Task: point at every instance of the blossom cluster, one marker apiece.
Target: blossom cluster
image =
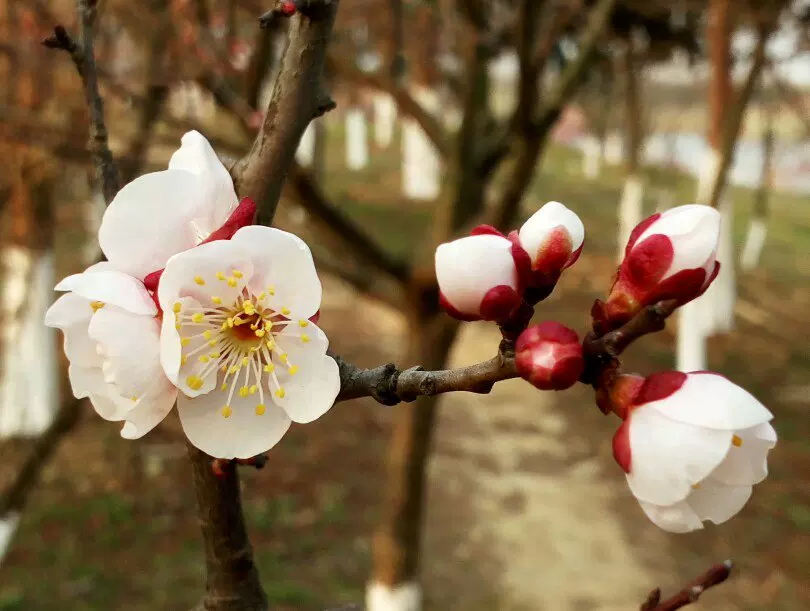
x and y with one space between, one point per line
195 306
692 445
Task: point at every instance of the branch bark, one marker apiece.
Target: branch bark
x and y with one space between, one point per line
715 575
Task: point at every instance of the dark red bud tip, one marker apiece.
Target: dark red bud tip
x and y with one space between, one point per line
453 312
288 8
486 230
315 317
152 280
549 356
242 216
500 303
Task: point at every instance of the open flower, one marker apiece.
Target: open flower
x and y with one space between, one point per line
480 276
163 213
553 237
239 342
112 340
692 446
671 255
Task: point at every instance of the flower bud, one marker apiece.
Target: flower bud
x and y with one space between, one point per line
479 278
671 255
549 356
553 238
691 445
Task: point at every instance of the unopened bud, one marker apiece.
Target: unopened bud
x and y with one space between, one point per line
549 356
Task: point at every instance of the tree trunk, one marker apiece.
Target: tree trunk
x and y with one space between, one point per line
356 138
421 165
396 543
385 116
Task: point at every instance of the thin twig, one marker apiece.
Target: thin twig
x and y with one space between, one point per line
715 575
83 56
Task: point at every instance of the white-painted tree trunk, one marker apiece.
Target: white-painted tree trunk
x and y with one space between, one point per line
385 117
306 147
28 385
614 148
421 165
754 241
404 597
8 526
630 209
503 76
356 139
591 157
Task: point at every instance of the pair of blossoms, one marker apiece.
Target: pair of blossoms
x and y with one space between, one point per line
692 445
194 306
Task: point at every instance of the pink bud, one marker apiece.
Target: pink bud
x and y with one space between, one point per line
479 278
549 356
671 255
553 238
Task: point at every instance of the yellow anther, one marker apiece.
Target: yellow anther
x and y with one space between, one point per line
207 334
261 296
198 317
204 358
224 387
215 355
248 307
259 332
177 307
223 368
243 392
184 341
226 411
245 361
285 311
177 326
695 486
293 370
236 273
280 393
253 349
269 368
229 322
305 338
231 281
271 343
736 441
96 305
271 289
253 389
199 280
303 323
216 300
212 342
220 276
283 357
194 383
134 398
233 369
260 409
224 326
183 360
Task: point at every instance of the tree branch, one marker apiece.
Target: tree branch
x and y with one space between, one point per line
83 57
298 97
691 593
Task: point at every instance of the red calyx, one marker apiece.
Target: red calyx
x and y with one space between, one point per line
549 356
500 303
659 386
453 312
242 216
486 230
621 447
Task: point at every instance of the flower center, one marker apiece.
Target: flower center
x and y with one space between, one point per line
236 343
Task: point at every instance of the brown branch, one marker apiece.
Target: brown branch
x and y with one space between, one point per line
83 57
298 97
17 494
389 385
691 593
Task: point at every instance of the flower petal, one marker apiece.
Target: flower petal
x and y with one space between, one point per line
311 391
66 284
712 401
71 313
150 410
130 346
243 434
747 463
667 457
115 288
205 272
676 518
149 220
284 262
537 228
89 382
717 502
218 197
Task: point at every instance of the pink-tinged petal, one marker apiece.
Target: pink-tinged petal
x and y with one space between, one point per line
747 461
149 220
669 456
130 345
217 269
284 262
243 434
150 410
218 198
468 268
89 382
659 386
647 263
537 230
188 340
712 401
622 453
716 502
638 231
66 284
171 350
676 518
311 391
114 288
485 230
69 310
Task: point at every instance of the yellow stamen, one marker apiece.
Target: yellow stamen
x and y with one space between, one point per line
199 280
215 355
229 322
285 311
177 307
305 338
198 317
271 289
185 341
253 389
280 393
226 411
243 392
283 357
194 383
303 323
262 295
293 370
236 273
233 369
207 335
204 358
260 409
245 361
259 332
220 276
736 441
212 342
224 387
216 300
96 305
134 398
269 368
177 326
271 343
232 281
183 360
